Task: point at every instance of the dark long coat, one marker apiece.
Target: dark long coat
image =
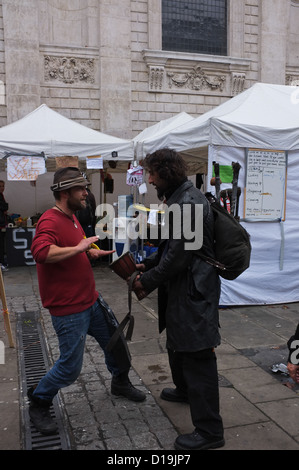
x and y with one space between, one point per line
188 287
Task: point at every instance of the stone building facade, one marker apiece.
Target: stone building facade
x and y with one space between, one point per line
101 63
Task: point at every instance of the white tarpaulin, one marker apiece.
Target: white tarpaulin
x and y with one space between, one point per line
145 141
154 137
273 273
263 117
45 130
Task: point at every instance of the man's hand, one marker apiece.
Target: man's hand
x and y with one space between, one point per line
140 267
138 288
94 253
294 372
86 243
57 253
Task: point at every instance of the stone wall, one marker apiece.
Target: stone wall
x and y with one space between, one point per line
100 62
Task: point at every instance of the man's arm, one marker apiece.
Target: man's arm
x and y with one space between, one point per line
45 246
57 253
175 260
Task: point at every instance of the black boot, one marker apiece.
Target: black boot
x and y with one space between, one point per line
194 441
39 412
174 394
121 385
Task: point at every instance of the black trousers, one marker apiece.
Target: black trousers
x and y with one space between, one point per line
195 373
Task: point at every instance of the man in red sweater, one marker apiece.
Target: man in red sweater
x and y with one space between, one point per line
67 290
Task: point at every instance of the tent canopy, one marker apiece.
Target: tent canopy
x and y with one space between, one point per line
151 138
265 116
45 130
143 141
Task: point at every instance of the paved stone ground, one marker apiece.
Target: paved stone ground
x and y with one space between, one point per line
259 412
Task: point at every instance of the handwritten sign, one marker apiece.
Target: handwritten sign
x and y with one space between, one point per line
93 163
265 184
25 168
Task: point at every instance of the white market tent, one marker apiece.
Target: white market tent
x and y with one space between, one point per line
263 117
144 139
45 130
48 132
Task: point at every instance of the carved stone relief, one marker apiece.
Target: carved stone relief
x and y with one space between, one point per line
292 80
69 70
195 80
156 76
238 83
173 72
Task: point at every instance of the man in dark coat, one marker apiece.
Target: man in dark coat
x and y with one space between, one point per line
293 360
188 297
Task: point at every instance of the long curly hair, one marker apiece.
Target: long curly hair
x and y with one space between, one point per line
169 165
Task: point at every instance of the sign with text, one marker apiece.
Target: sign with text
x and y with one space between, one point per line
25 168
94 163
18 244
266 176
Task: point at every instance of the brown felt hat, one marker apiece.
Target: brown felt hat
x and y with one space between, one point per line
68 177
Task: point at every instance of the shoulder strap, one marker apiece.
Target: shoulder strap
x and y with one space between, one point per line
211 261
128 319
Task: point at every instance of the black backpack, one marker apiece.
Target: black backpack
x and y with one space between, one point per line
231 243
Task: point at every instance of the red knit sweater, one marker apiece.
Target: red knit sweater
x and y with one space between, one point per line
68 286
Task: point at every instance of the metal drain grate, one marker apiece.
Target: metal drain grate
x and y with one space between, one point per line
33 364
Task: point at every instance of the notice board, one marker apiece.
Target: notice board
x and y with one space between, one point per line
265 187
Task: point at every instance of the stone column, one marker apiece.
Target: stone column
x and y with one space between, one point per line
22 67
115 67
155 24
273 40
236 29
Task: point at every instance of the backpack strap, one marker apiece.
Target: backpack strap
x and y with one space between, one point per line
211 200
211 261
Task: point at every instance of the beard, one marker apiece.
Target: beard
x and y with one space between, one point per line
76 204
160 193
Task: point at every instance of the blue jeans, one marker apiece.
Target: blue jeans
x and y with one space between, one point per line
71 331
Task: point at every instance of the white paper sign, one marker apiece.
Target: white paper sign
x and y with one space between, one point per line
94 163
153 217
25 168
142 188
265 184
